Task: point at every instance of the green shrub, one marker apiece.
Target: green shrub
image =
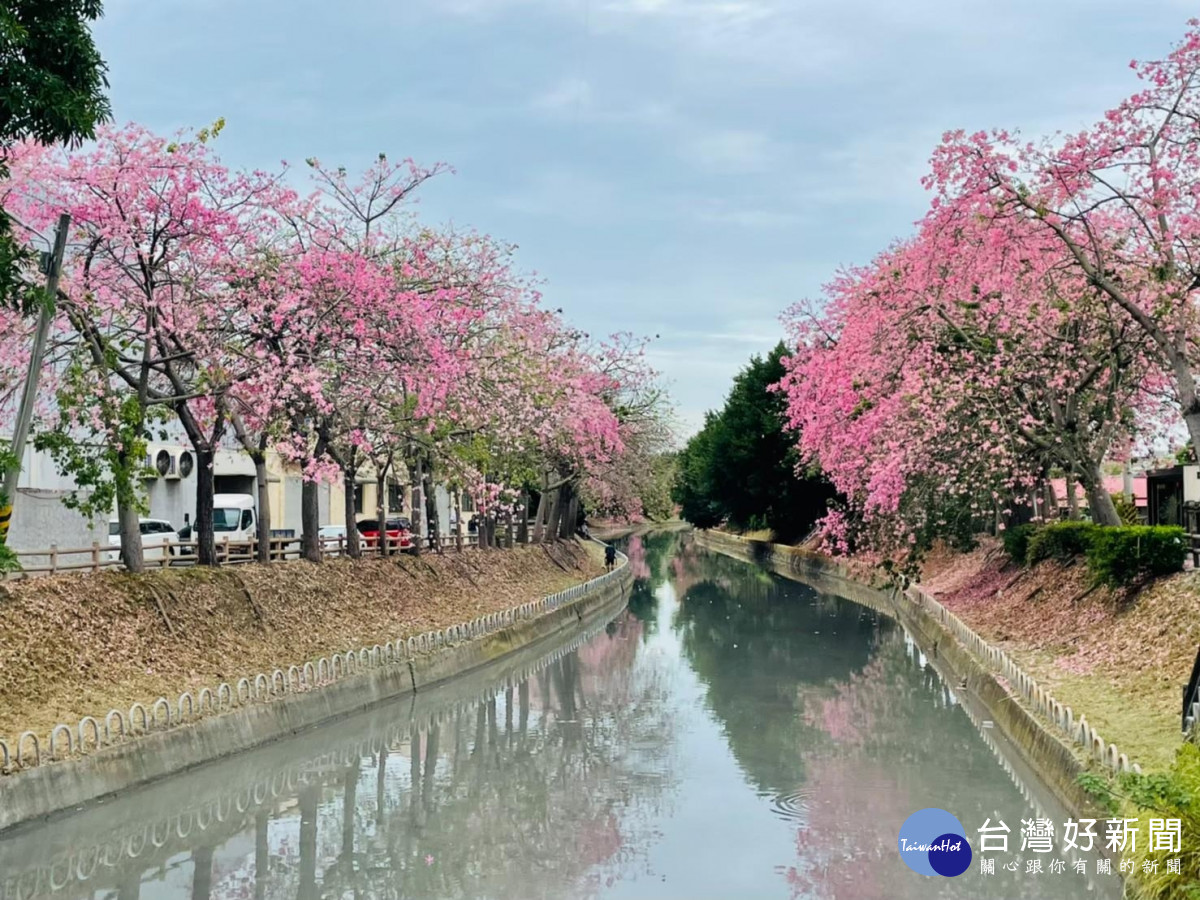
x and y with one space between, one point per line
1118 556
9 562
1174 794
1016 541
1061 540
1126 509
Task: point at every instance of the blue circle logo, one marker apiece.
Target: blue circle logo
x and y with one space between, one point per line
933 842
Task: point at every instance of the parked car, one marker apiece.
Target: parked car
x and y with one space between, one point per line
329 535
399 532
157 537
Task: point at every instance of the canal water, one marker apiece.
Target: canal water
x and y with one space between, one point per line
730 734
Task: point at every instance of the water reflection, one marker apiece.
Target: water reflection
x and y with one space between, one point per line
730 734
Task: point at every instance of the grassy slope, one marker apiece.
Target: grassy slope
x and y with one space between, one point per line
1121 664
72 646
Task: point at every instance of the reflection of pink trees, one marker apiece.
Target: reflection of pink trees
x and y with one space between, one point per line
637 557
605 665
841 846
847 850
688 567
851 713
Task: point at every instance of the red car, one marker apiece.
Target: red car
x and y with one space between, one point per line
399 532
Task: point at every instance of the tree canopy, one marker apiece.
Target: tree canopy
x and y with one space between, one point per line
52 84
743 466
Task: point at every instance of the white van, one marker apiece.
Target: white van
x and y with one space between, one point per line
234 518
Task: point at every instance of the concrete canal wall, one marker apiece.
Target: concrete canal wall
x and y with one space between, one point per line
1050 740
284 704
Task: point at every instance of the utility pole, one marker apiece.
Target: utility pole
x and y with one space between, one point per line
51 266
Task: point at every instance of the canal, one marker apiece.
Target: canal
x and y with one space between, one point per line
729 734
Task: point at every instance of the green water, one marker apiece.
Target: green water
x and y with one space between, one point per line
730 734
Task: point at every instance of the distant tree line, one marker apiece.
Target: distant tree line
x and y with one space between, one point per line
741 469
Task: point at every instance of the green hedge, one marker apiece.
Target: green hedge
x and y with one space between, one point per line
1121 555
1016 541
1115 556
1060 540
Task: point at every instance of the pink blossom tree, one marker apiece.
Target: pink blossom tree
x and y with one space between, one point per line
1119 200
961 366
160 231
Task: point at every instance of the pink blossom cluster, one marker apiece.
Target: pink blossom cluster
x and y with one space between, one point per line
330 325
1042 318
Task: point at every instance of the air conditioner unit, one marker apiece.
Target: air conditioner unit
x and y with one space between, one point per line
166 463
187 463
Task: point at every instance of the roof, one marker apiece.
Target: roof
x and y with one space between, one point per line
1113 484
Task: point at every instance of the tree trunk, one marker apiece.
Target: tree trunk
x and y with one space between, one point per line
381 506
257 451
1185 390
552 518
132 555
202 864
523 705
508 530
414 770
539 517
262 855
558 513
381 786
310 798
458 520
349 803
310 521
523 524
206 546
571 519
1072 498
431 756
264 502
431 513
418 476
1051 500
353 547
1104 511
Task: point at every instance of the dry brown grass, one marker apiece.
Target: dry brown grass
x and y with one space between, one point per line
72 646
1121 662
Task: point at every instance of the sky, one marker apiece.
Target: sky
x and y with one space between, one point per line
682 169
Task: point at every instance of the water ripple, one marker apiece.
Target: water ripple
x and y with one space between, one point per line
793 805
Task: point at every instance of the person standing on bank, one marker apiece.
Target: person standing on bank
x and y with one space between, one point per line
610 556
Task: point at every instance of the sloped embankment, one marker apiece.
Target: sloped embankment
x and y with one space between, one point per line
1120 661
72 646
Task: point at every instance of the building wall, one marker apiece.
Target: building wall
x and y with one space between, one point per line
40 519
172 500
